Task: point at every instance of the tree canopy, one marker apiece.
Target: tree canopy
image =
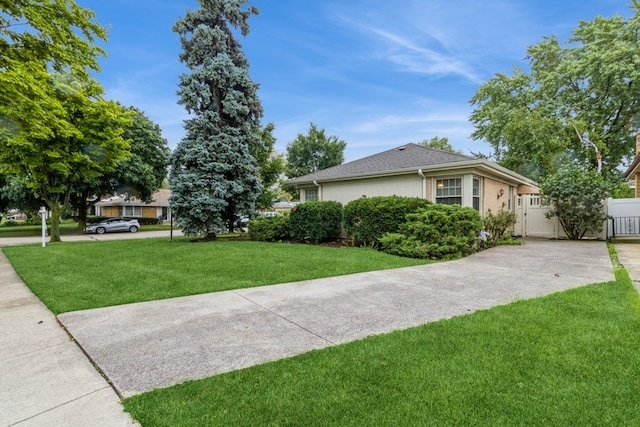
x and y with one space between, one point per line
575 98
576 196
439 144
89 145
214 174
271 165
139 175
37 37
313 152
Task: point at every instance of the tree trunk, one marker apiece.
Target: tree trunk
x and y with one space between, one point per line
56 212
82 220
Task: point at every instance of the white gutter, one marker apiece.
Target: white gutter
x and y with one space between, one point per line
424 183
319 189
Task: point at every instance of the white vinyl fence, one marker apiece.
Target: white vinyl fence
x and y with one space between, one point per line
624 217
532 222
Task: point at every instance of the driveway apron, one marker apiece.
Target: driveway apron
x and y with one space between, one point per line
148 345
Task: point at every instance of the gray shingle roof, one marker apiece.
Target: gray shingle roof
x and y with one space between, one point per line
403 157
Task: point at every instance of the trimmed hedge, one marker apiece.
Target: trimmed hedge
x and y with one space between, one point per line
367 219
316 222
269 229
146 221
436 232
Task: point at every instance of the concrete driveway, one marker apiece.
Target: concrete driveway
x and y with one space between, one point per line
148 345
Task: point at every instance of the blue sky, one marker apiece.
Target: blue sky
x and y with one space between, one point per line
375 73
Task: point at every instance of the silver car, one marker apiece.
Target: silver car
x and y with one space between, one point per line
112 225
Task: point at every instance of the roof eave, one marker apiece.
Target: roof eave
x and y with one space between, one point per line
633 167
499 170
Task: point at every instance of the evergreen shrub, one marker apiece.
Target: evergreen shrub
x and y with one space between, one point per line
269 229
367 219
435 232
316 222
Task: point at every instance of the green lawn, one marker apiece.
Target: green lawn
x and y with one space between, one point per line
568 359
79 275
66 228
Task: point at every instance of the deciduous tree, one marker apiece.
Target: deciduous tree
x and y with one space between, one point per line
214 174
139 175
89 144
591 84
272 166
439 144
313 152
576 196
37 37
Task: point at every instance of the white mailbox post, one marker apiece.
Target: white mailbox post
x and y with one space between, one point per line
43 215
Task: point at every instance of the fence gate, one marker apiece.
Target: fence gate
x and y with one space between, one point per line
531 220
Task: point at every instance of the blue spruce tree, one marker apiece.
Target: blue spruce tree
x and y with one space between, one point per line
214 176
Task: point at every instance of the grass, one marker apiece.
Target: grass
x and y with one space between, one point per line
66 228
570 358
80 275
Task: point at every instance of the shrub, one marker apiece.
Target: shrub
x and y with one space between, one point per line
96 218
498 225
269 229
576 197
316 221
147 221
367 219
435 232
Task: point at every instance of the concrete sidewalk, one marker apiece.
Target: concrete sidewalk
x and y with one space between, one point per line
157 344
629 256
19 241
45 379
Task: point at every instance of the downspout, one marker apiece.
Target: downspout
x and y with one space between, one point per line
319 189
424 183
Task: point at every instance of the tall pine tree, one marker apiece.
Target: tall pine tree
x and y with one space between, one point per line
214 176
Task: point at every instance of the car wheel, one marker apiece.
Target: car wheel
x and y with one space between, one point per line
133 229
100 230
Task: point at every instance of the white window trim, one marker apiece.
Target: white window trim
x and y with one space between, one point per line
435 189
133 210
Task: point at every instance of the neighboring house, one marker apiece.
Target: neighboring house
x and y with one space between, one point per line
633 172
118 206
413 170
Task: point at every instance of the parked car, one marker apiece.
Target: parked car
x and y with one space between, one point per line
270 214
242 221
112 225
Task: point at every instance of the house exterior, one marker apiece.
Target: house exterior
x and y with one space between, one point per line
413 170
116 206
633 171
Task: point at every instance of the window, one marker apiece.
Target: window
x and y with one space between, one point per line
476 194
449 191
311 195
131 211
